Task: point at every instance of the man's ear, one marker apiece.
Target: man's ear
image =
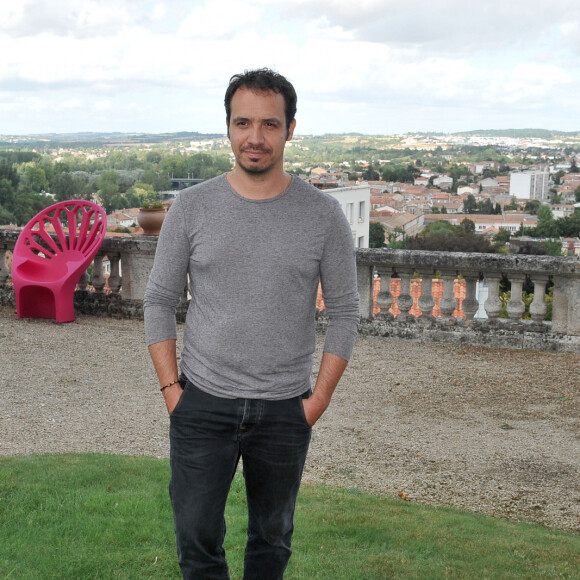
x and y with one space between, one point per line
228 126
291 130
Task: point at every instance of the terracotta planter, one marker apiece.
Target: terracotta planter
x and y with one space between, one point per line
150 220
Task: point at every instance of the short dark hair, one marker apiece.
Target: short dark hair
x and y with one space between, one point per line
263 79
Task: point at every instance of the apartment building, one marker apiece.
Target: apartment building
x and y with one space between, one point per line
530 184
356 204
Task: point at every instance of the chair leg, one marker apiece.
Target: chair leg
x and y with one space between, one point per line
64 306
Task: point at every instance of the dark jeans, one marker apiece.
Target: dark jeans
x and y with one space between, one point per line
208 435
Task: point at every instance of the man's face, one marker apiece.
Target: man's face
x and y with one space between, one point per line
257 130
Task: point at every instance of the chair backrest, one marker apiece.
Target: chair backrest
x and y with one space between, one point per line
78 226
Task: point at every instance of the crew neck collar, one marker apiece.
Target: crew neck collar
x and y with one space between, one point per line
252 200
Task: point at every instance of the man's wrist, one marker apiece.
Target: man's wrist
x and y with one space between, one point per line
320 397
169 385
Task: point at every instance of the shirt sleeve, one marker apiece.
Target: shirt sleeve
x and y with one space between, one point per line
339 287
168 277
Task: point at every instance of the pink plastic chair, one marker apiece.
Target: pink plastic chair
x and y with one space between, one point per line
45 270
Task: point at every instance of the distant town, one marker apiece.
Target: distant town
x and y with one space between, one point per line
494 184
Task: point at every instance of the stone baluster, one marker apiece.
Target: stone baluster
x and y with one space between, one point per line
405 300
385 298
364 275
448 303
3 267
114 277
493 304
538 307
99 279
426 300
516 306
470 304
83 281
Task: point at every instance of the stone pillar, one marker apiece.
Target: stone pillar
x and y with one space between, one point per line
574 308
83 281
470 304
493 304
364 274
448 303
385 298
114 276
137 265
426 300
3 267
566 306
516 306
405 300
538 307
99 279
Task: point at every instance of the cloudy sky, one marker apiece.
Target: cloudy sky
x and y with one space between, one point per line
368 66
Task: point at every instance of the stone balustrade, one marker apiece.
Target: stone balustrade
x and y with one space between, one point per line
562 333
131 258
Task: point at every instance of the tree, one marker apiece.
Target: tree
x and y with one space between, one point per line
486 206
513 205
139 193
502 237
546 227
108 183
557 177
574 166
444 227
461 242
532 206
7 193
396 238
10 173
6 217
470 205
33 179
64 187
174 166
370 174
376 235
153 157
159 181
569 226
400 173
468 226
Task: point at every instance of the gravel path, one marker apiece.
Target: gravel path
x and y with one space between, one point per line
487 430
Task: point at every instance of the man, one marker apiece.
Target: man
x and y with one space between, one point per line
255 243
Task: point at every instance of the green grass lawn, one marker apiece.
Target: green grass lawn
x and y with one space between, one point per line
76 517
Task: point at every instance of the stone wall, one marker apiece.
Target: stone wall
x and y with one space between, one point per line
438 314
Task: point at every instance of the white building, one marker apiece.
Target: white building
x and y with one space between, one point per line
530 185
355 203
443 182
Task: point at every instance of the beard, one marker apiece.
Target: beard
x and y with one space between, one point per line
258 166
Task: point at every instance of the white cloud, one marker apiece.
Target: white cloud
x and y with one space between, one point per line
31 18
166 64
220 19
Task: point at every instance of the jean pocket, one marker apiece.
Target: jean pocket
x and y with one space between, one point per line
300 400
180 402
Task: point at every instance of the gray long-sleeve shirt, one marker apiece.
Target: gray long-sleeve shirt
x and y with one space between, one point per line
254 268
